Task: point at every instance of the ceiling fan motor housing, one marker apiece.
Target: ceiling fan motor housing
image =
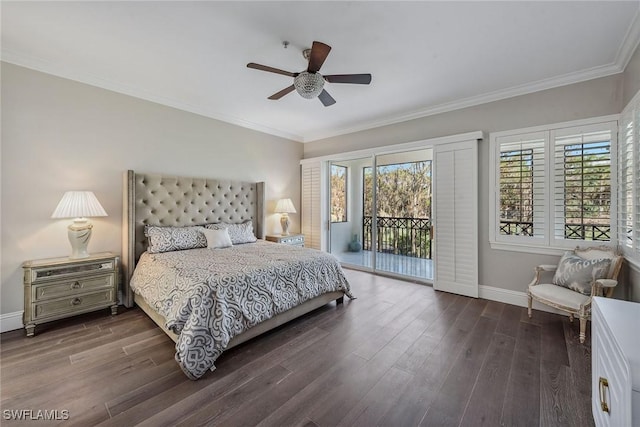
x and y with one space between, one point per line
308 85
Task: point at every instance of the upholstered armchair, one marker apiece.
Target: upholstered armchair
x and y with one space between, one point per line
580 275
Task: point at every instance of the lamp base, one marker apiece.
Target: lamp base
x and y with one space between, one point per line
79 233
284 222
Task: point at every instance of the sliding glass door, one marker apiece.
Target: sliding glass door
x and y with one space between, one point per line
381 213
346 212
403 214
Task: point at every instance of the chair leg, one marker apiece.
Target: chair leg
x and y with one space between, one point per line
529 304
583 329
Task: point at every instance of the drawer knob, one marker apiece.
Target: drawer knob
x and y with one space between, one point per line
603 384
76 285
76 301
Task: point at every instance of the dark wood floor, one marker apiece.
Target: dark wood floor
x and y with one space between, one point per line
400 355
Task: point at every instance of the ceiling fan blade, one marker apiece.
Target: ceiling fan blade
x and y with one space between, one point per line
326 99
270 69
282 93
359 79
319 52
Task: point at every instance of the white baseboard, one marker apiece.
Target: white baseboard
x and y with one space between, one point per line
11 321
508 296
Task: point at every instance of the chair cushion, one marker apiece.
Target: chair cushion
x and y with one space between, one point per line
577 273
558 295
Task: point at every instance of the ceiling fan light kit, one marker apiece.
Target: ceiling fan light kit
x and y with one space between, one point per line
310 83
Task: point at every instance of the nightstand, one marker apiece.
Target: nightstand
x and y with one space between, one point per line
291 239
56 288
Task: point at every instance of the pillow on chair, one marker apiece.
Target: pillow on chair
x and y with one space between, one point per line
577 273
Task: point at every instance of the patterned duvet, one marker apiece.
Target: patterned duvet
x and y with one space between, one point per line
208 296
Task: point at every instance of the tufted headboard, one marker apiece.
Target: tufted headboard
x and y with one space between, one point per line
155 199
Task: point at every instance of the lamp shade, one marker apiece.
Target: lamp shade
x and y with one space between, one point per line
285 206
78 204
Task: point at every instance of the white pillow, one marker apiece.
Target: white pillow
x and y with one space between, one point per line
217 239
239 233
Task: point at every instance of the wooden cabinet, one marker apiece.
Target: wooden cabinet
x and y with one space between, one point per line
56 288
615 363
291 239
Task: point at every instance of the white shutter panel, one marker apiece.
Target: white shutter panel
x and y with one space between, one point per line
581 177
636 172
521 192
625 182
311 205
456 217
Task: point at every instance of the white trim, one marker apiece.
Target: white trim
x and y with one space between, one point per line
499 95
394 148
11 321
531 249
517 298
630 43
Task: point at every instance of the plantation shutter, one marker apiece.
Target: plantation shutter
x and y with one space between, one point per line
626 205
636 171
521 191
629 180
456 217
581 183
312 204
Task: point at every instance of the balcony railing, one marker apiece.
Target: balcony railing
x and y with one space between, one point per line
585 231
400 236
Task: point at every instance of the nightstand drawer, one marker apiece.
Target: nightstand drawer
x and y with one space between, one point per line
70 287
69 271
295 240
73 304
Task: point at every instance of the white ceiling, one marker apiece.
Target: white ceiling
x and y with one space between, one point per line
425 57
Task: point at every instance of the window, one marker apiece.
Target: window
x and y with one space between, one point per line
552 185
582 185
338 193
629 181
521 189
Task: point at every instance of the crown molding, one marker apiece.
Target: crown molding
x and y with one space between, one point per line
93 80
630 42
540 85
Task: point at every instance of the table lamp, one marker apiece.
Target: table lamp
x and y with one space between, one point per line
79 205
285 207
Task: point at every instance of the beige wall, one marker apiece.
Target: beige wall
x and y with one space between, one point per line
501 269
60 135
631 78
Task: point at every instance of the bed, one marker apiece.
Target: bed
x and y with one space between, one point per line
209 300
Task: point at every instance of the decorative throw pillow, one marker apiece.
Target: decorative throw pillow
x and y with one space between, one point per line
239 233
166 239
577 273
217 239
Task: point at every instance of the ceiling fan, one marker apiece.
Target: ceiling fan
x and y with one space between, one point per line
310 83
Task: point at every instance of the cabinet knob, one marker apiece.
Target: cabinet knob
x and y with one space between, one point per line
603 384
76 285
76 301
